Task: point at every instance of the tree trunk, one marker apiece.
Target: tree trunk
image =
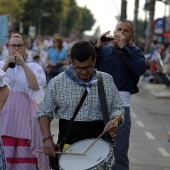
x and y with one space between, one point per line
150 26
136 20
123 10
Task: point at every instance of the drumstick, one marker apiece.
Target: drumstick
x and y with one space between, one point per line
68 153
102 134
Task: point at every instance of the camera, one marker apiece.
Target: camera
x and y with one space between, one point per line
108 37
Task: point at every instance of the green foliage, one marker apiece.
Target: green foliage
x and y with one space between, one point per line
52 16
87 20
12 8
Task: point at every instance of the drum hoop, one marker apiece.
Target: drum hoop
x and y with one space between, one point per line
100 163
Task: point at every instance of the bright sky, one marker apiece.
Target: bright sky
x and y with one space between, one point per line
104 11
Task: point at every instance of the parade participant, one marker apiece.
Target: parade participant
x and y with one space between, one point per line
21 135
126 63
56 58
4 91
64 92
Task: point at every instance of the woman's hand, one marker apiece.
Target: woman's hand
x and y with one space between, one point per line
10 59
19 59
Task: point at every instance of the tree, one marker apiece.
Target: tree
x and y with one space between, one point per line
150 26
14 9
136 20
64 16
123 10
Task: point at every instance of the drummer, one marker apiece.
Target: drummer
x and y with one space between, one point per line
63 94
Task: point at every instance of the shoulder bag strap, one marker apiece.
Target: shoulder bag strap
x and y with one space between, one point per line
72 119
103 102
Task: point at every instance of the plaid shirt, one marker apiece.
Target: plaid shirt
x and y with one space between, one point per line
63 95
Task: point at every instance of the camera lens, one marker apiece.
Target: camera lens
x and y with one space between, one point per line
106 38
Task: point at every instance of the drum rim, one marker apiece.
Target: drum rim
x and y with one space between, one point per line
100 163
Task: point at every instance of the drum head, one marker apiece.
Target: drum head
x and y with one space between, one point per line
97 153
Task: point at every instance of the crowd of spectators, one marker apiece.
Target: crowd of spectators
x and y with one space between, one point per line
158 59
38 51
158 64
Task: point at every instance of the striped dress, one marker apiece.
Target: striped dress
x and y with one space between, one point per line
21 134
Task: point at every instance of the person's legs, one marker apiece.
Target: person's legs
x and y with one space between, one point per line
122 144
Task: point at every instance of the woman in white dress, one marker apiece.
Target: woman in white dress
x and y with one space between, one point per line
21 135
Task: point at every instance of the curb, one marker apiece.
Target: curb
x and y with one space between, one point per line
157 90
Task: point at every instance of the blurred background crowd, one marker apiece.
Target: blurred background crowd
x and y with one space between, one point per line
66 23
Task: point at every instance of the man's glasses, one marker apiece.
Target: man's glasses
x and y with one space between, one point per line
17 45
80 69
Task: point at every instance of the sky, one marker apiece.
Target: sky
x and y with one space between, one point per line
105 12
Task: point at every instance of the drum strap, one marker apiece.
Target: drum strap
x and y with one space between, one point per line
103 103
72 120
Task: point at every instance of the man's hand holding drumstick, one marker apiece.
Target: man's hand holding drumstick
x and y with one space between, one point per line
112 126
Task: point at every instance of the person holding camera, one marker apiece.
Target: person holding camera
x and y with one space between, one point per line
126 63
21 135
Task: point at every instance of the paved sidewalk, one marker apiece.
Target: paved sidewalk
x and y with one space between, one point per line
157 90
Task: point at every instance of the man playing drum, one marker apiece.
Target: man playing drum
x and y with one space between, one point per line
63 94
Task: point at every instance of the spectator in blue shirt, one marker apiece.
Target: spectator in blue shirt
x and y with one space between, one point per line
126 63
57 57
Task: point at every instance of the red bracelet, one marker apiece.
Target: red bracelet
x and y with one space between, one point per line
48 137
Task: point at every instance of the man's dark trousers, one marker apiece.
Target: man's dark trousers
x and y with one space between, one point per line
122 143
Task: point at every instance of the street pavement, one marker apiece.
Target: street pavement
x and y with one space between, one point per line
156 90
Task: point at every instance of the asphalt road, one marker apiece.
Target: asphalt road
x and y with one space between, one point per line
149 147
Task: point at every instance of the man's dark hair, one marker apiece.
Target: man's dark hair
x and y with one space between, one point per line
129 22
82 51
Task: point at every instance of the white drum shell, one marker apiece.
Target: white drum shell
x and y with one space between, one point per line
99 157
